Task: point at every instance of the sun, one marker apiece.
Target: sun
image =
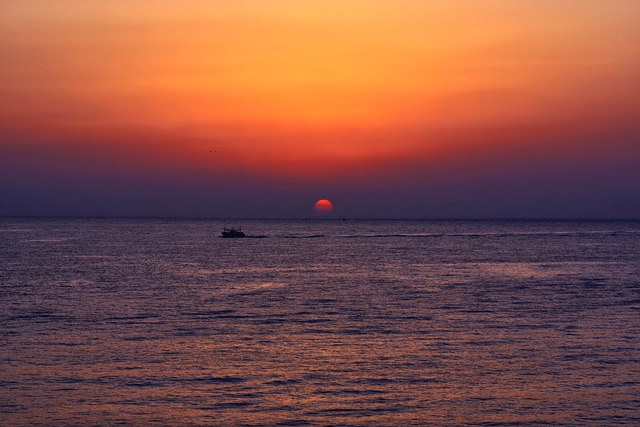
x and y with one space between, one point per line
323 207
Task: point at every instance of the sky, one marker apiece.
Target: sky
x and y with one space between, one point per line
390 109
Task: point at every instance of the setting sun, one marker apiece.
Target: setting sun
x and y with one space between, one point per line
323 207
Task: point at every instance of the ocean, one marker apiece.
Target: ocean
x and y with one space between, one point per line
319 323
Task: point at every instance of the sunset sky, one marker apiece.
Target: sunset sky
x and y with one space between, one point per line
404 108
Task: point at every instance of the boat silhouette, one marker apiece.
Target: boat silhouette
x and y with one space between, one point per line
232 232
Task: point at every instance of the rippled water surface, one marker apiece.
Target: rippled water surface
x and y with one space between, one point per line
319 323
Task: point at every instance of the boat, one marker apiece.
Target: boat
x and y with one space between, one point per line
232 232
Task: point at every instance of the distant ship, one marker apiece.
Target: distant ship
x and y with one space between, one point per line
232 232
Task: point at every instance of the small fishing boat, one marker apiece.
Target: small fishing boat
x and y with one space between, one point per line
232 232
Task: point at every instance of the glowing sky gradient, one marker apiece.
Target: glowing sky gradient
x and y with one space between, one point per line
411 108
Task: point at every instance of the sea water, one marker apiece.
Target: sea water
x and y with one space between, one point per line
319 322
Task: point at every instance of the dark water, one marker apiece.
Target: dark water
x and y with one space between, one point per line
319 323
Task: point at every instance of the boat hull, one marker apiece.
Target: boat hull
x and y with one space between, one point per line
232 233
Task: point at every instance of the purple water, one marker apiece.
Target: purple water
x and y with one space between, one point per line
140 321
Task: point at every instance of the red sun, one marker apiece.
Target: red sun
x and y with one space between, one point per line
323 207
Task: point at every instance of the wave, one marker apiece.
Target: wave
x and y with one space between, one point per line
608 233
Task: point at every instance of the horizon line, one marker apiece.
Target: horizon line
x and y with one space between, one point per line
312 218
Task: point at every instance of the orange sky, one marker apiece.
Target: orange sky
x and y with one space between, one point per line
297 88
